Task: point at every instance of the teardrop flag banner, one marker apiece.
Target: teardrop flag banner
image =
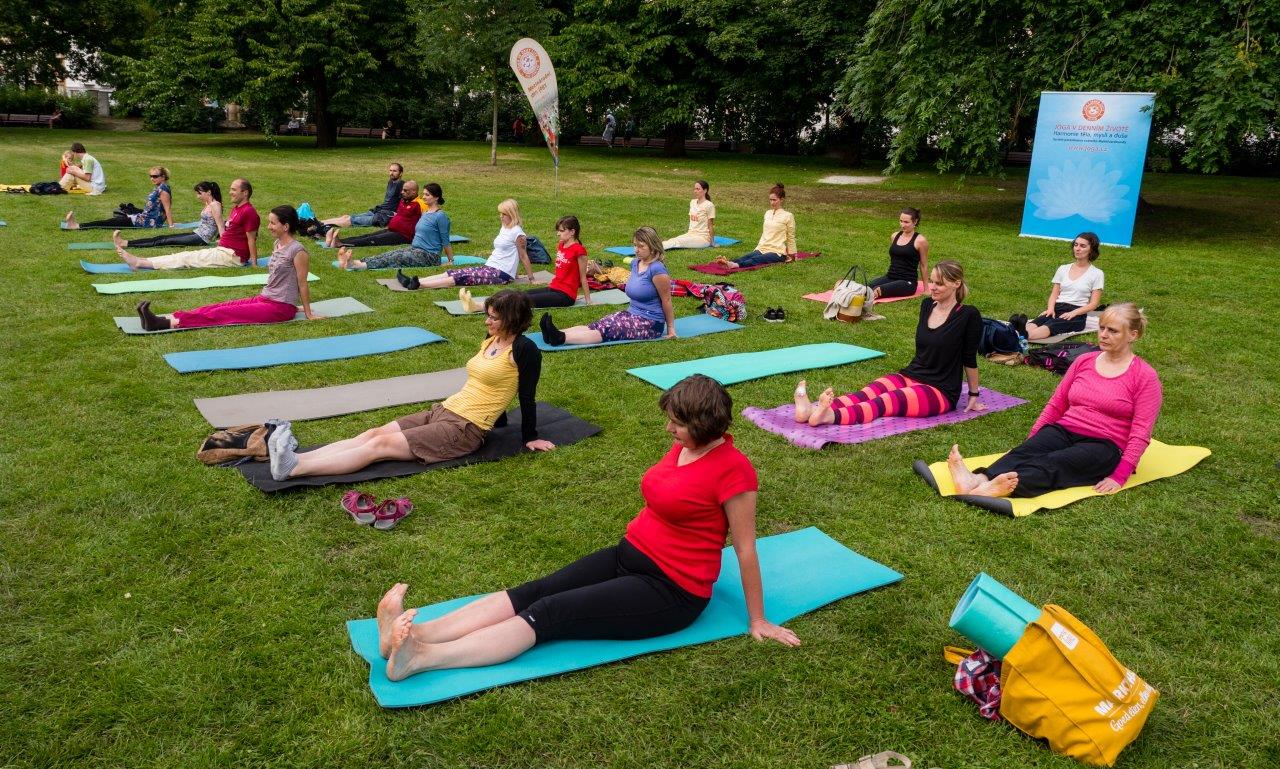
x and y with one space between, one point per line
532 65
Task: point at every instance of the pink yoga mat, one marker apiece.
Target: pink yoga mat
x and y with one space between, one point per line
825 296
781 420
711 268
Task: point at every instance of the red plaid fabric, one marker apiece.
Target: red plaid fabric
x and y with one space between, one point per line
978 678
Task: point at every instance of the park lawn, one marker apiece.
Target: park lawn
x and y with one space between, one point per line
159 613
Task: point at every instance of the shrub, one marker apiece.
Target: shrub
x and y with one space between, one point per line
77 111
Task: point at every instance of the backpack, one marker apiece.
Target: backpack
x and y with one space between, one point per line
235 445
723 301
47 188
1059 357
127 210
998 337
536 251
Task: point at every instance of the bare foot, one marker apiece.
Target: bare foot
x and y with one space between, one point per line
822 413
390 607
119 241
1000 486
331 237
344 258
70 219
129 259
964 480
723 261
803 405
407 655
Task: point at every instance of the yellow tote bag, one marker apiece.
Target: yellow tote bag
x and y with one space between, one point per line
1061 683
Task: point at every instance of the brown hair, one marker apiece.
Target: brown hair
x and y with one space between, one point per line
570 223
649 236
77 147
778 190
1089 238
702 405
1132 315
914 213
512 309
951 272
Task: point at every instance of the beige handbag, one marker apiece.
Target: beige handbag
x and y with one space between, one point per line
851 299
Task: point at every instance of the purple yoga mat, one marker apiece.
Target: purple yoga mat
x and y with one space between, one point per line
781 420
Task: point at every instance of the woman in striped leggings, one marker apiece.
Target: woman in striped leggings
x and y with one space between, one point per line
946 353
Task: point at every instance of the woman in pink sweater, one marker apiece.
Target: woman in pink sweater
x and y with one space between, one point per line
1093 430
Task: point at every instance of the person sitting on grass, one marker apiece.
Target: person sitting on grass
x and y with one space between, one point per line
907 261
1094 429
1077 291
508 364
702 221
85 172
778 239
156 212
571 269
286 286
430 240
508 254
379 215
647 317
399 229
947 338
206 232
657 580
237 245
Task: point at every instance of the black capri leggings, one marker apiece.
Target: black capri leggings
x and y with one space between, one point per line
161 241
1056 458
550 297
116 222
617 593
379 238
891 287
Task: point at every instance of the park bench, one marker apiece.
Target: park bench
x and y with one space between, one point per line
360 133
16 118
1017 158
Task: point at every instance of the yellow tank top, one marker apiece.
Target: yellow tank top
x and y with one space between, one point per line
490 386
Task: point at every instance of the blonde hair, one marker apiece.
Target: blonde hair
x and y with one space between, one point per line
69 157
512 209
1132 315
649 237
951 272
164 172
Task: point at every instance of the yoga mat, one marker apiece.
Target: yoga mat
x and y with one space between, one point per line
297 405
609 296
452 239
302 350
540 278
121 268
1090 327
1160 460
781 420
555 425
690 325
631 250
156 285
801 570
744 366
825 296
711 268
3 223
458 261
176 226
330 308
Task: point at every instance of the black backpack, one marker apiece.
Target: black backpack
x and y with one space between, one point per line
1059 357
47 188
536 251
998 337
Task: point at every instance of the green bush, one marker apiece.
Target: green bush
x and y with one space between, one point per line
181 116
77 111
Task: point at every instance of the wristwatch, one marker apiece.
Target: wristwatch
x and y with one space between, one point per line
974 393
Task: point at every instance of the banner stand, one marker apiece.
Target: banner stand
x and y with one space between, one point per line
532 65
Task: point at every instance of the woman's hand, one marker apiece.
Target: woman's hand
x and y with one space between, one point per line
1106 486
974 404
313 316
1052 312
539 444
762 629
671 333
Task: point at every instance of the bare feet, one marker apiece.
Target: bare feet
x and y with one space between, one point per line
1000 486
803 405
723 261
468 304
390 607
129 259
344 258
964 480
119 241
70 219
407 654
331 237
822 413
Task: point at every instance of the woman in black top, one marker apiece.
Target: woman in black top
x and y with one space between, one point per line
908 258
946 351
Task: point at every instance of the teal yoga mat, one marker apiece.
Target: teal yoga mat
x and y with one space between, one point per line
458 261
303 350
744 366
609 296
452 239
329 308
631 250
690 325
801 571
120 268
155 285
177 226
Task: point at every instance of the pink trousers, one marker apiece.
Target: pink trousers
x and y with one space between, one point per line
255 309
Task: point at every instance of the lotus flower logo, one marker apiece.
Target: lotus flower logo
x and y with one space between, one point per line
1084 188
1093 110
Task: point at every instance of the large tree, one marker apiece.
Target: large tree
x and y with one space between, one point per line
44 41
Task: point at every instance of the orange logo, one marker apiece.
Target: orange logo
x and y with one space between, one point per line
528 63
1093 110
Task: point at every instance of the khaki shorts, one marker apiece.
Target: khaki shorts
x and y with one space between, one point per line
218 256
438 434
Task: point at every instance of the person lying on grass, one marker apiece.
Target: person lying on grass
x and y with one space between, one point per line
650 313
655 581
507 364
1093 430
509 253
286 287
946 351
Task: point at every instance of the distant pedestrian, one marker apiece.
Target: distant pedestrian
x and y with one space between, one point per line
610 126
628 131
517 130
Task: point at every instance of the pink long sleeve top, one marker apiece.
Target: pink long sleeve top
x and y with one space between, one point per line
1120 409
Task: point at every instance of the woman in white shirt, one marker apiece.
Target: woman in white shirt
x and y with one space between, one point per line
702 221
1077 291
501 267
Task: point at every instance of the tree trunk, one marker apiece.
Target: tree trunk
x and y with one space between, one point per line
674 145
850 143
493 135
326 124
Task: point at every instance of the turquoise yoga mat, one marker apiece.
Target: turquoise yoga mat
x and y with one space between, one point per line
120 268
631 250
744 366
690 325
329 308
452 239
303 350
801 571
458 261
176 226
155 285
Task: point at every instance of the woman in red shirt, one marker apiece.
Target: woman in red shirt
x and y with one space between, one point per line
571 269
655 581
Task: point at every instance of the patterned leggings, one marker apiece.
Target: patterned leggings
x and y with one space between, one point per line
890 396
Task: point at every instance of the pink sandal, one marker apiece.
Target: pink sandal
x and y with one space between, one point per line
360 506
390 512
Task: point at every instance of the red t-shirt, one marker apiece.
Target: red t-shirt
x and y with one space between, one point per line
683 524
568 277
406 217
243 220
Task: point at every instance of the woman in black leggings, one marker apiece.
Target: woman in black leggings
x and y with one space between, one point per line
206 232
655 581
908 259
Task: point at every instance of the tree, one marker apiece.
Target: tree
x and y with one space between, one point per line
44 41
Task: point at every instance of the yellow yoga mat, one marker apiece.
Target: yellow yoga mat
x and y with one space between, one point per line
1160 460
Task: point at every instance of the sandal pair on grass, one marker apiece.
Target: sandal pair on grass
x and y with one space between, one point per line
365 509
884 760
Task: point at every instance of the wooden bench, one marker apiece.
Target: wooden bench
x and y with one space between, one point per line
1017 158
17 118
360 133
701 145
303 130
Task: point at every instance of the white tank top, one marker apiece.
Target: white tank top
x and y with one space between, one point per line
505 256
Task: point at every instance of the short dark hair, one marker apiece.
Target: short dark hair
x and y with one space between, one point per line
570 223
513 310
702 405
77 147
288 216
1092 240
210 187
397 165
914 213
248 188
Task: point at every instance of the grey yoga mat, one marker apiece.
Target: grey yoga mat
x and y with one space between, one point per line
540 278
330 308
297 405
609 296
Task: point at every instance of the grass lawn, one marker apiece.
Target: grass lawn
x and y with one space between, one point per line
159 613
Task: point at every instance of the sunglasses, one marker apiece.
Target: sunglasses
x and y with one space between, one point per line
156 176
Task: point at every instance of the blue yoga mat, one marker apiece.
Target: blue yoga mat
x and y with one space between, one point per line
744 366
452 239
302 350
631 250
458 261
176 226
689 325
801 571
121 267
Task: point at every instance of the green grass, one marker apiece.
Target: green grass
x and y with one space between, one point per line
159 613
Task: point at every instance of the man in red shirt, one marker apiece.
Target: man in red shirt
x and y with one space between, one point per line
238 245
399 231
